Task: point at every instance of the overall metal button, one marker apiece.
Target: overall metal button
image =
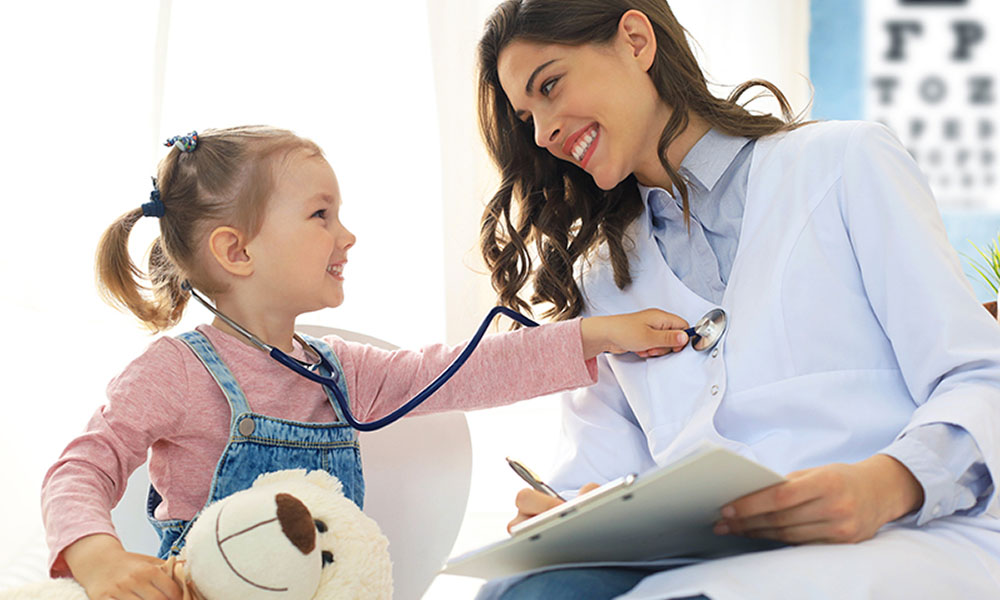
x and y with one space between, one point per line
715 353
715 391
246 426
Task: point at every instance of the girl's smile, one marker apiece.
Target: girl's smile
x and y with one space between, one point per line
336 270
301 250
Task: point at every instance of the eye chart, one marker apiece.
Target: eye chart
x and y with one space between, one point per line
932 70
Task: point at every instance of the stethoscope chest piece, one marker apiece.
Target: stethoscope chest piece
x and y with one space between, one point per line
708 330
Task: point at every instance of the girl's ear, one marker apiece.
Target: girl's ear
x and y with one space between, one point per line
228 246
636 32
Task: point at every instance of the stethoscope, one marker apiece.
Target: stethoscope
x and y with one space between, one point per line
703 336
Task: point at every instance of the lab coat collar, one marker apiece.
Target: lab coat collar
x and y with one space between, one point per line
707 160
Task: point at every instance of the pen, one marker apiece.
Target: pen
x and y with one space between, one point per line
532 479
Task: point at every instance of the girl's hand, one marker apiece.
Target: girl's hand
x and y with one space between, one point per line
531 502
836 503
106 571
648 333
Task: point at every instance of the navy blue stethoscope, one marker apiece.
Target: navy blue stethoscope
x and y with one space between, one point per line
703 336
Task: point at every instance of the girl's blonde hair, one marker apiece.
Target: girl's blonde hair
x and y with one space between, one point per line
226 180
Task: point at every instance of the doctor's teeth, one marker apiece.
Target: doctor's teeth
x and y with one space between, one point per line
580 149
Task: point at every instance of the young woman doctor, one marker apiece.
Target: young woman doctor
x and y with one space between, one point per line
856 359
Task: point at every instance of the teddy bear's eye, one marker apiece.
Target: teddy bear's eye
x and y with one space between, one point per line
327 558
320 526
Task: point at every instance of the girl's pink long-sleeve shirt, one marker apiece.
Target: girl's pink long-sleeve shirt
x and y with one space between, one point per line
167 402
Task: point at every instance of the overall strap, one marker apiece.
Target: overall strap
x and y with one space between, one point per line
209 357
337 374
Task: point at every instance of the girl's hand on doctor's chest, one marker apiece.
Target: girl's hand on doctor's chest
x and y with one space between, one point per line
648 333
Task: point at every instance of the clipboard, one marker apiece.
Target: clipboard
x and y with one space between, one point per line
665 512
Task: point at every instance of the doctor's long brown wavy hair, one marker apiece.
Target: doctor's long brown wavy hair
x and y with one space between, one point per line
555 205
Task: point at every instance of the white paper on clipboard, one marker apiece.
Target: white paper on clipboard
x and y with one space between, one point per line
667 511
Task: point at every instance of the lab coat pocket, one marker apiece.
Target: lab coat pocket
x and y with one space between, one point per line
664 391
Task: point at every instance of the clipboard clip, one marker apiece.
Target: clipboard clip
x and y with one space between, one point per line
575 505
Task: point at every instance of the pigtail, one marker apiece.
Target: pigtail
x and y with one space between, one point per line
155 297
169 294
123 284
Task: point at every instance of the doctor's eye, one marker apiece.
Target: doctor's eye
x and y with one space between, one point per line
546 88
327 558
321 213
320 526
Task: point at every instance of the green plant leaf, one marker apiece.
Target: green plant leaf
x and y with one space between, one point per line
989 267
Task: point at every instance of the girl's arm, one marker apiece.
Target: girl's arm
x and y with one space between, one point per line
505 367
90 476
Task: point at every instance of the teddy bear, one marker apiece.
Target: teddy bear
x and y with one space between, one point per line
291 536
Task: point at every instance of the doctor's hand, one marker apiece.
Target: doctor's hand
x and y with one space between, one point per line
531 502
837 503
648 333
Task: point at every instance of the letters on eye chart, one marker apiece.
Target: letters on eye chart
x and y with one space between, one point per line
932 77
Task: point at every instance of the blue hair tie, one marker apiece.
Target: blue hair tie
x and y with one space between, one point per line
155 206
185 143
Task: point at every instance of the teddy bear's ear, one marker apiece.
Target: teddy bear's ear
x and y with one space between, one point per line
325 481
279 476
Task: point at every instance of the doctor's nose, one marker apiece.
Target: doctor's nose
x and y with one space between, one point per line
546 134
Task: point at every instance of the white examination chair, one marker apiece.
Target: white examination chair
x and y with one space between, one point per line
417 477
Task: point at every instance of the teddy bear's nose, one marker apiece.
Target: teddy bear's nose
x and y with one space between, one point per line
296 522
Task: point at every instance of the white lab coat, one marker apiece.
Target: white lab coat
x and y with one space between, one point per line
850 322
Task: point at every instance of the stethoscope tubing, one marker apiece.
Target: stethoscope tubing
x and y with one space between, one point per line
305 369
331 383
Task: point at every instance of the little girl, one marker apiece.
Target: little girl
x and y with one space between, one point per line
249 217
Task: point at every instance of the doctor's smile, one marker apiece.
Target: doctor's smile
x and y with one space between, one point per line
581 145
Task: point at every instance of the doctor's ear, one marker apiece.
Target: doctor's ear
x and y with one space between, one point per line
637 34
228 246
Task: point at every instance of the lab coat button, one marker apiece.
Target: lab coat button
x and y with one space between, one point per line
937 510
715 353
246 426
715 390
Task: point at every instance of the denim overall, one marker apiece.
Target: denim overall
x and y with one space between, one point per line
259 444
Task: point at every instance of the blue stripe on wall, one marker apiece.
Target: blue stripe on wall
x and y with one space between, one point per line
836 58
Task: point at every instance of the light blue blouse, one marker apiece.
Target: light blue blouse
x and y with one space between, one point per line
944 458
